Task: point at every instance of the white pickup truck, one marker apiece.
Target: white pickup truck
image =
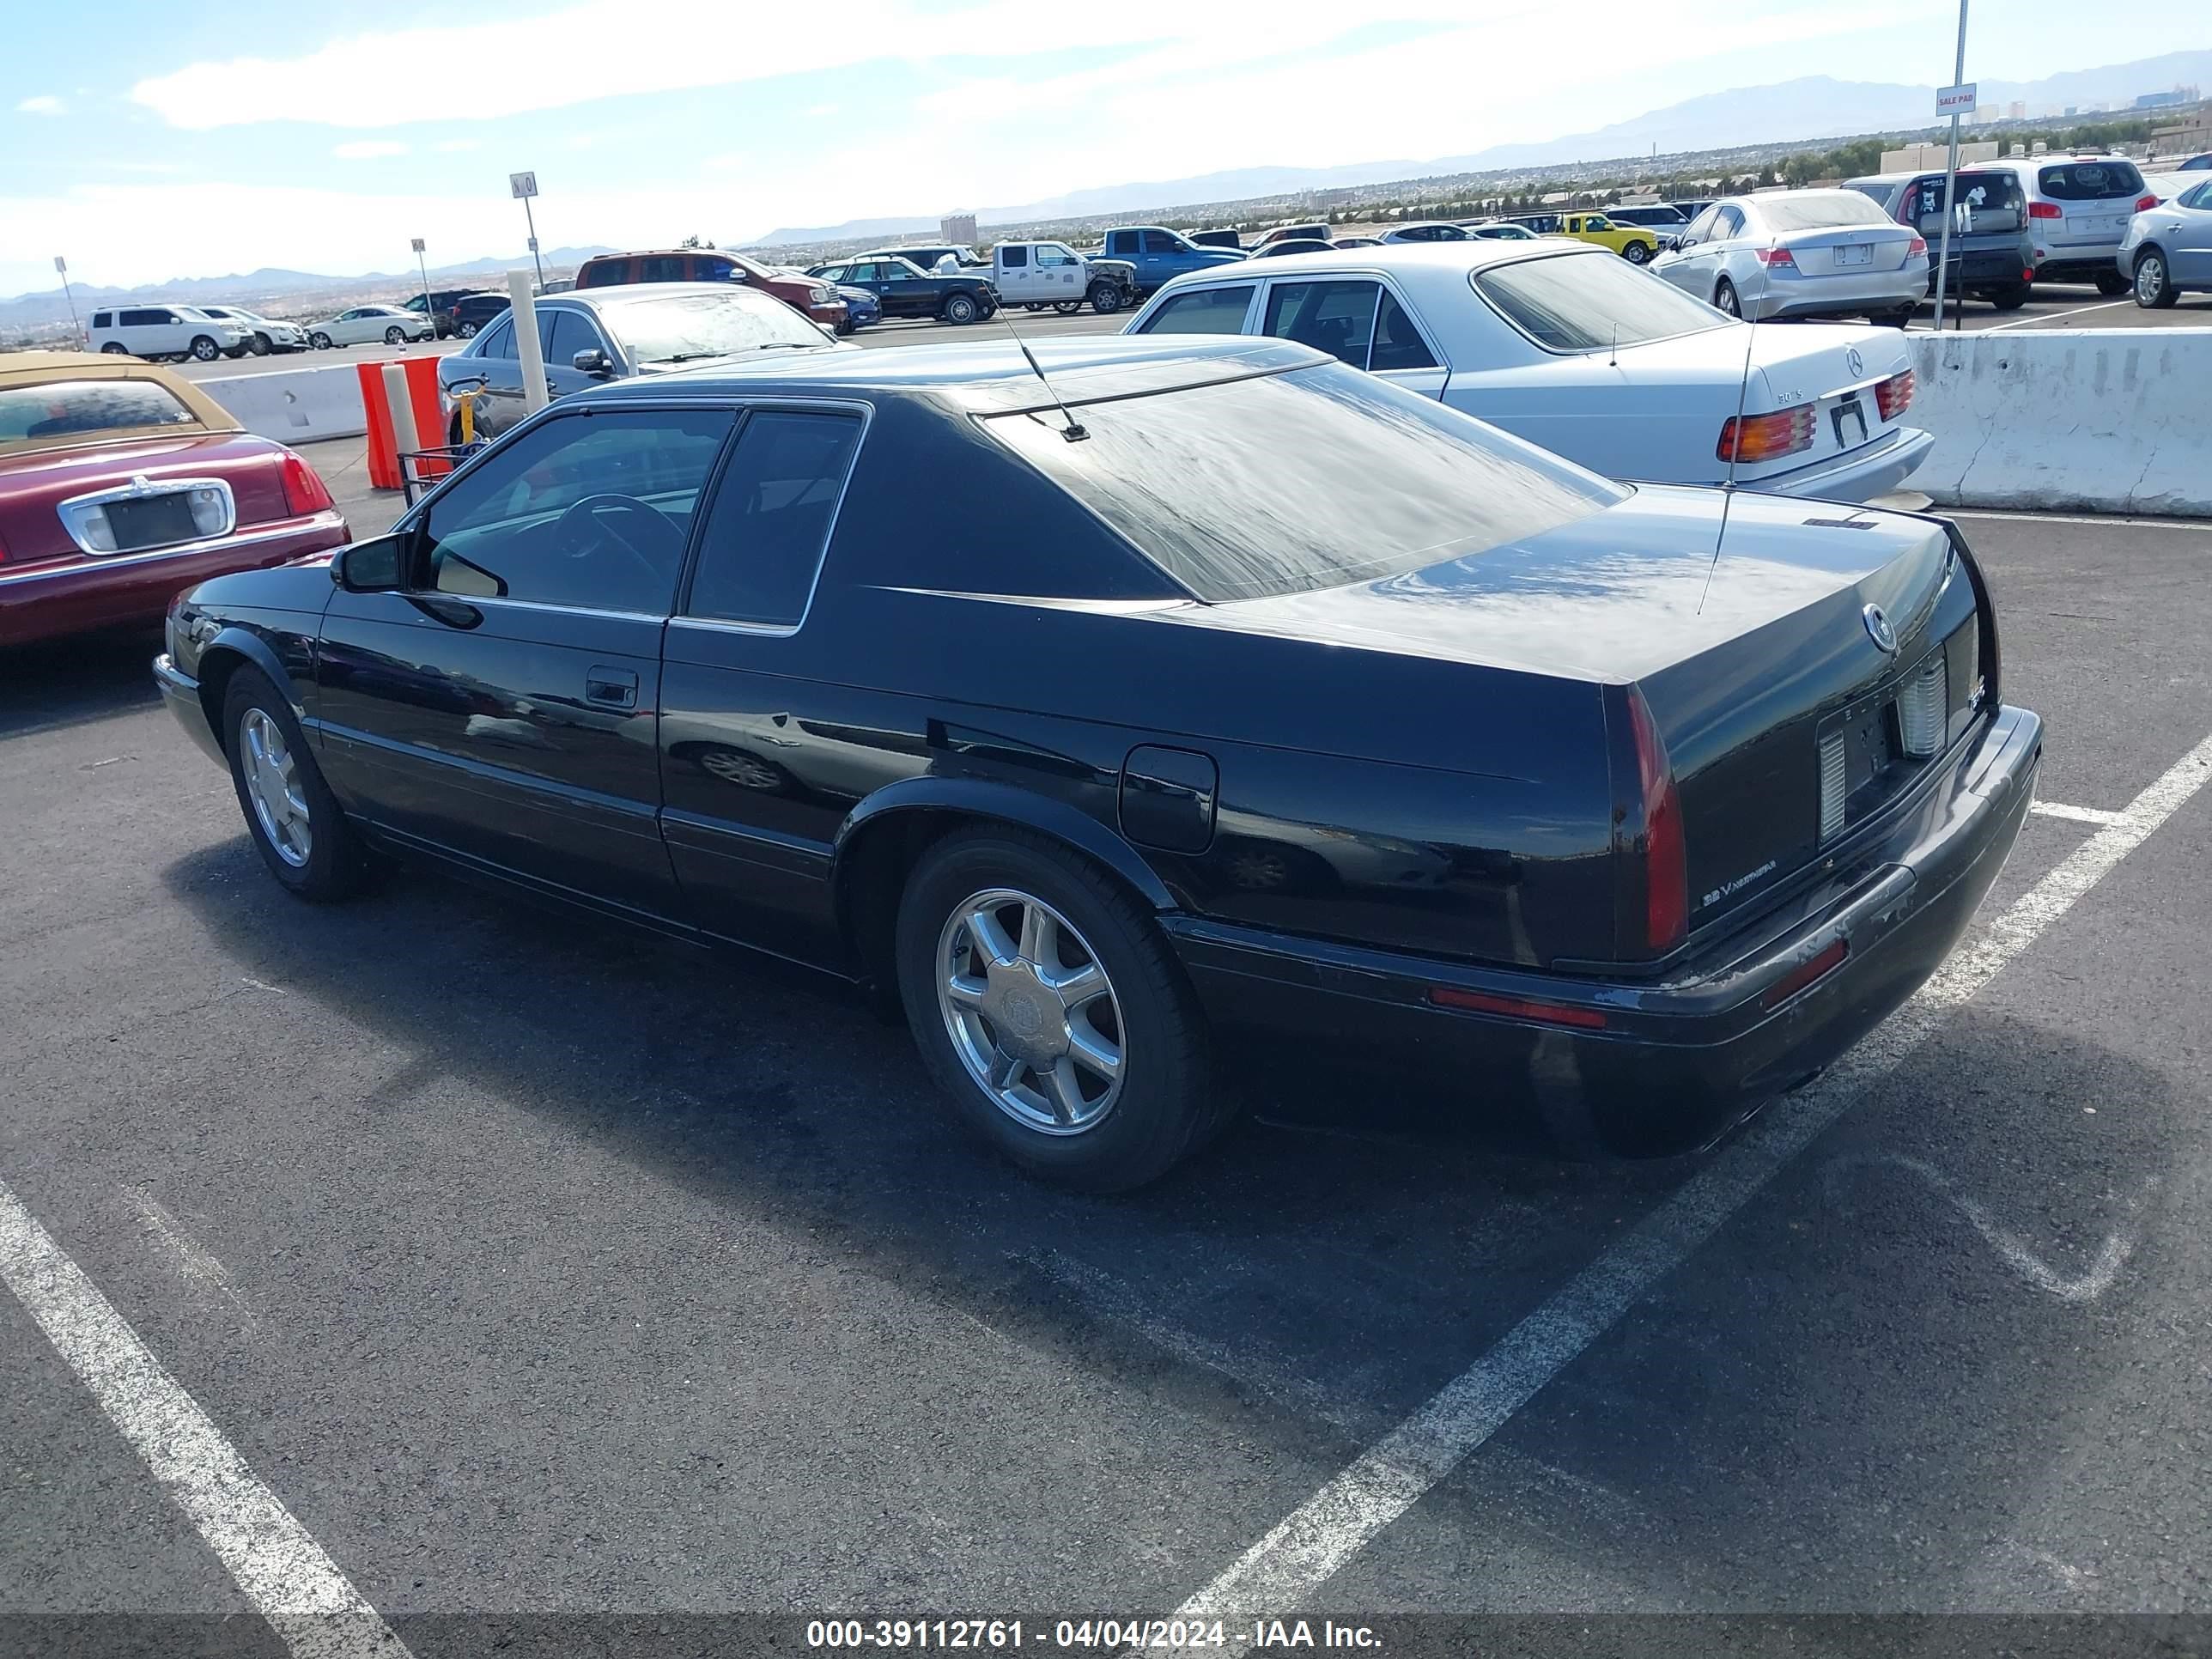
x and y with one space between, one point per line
1035 274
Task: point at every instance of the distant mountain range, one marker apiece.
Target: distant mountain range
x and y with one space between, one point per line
52 305
1812 106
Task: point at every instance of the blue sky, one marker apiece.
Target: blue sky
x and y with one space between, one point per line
202 139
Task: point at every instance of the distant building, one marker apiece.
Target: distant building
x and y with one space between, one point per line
2017 110
958 228
1919 158
2162 100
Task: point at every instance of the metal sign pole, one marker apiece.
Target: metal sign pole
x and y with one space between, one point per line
1951 177
422 265
524 186
77 329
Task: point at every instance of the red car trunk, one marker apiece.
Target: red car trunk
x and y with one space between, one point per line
32 487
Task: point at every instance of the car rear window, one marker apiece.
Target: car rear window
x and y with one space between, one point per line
68 408
2090 181
1818 210
1591 302
1232 488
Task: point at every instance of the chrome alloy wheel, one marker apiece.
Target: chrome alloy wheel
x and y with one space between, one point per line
1031 1011
272 784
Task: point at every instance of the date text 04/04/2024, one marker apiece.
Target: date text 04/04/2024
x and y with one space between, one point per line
1104 1634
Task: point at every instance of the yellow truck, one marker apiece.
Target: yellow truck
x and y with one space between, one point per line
1634 243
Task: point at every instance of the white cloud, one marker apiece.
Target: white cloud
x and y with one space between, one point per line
456 146
369 149
43 104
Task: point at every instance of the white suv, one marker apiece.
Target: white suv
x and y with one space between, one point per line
2078 210
156 331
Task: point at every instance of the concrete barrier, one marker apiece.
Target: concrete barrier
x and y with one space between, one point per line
2092 420
297 405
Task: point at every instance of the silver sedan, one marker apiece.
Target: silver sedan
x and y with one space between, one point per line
2167 251
1800 253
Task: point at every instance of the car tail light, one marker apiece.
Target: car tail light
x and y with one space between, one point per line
1774 258
304 490
1666 870
1894 395
1765 437
1804 974
2044 210
1481 1002
2145 203
1834 779
1918 245
1923 709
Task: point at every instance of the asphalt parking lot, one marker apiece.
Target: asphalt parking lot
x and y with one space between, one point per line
533 1273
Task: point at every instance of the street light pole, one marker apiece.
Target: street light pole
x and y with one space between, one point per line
1951 176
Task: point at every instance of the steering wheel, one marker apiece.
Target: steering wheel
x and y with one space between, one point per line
601 516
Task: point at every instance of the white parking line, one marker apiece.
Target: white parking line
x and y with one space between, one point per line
1277 1574
2052 809
281 1569
2053 316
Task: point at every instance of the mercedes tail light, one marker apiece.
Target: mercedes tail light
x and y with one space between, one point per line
1894 396
304 490
1666 867
1767 437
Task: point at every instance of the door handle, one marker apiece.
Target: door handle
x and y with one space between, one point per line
616 688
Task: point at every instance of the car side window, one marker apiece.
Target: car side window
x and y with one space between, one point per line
1158 241
664 269
1208 310
1398 343
609 275
499 342
1015 258
1727 222
713 270
590 511
2200 197
566 333
765 534
1337 317
1056 256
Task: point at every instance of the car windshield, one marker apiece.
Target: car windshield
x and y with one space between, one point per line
68 408
689 327
2090 181
1231 488
1823 209
1590 302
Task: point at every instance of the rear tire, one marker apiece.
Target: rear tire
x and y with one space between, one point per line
305 841
961 309
114 349
1724 298
2154 283
2112 284
2013 298
1162 1101
395 336
466 330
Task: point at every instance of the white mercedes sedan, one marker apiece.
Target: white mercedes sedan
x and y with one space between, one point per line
1573 349
365 325
1800 253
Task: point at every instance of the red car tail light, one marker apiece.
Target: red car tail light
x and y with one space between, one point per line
304 490
2044 210
1917 245
1774 258
1894 395
1765 437
1481 1002
2145 203
1804 974
1666 867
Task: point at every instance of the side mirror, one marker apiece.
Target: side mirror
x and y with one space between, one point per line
370 566
592 361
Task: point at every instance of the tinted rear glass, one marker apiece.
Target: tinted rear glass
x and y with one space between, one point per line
66 409
1820 210
2090 181
1581 302
1233 488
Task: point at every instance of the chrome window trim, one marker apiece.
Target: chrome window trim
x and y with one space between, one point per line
73 511
326 520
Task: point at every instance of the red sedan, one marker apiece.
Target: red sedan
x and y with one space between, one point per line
122 485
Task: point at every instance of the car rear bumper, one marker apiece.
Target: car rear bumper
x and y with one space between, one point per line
1850 295
1869 471
182 692
1635 1066
118 590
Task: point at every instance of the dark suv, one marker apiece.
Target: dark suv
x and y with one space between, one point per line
1992 247
469 313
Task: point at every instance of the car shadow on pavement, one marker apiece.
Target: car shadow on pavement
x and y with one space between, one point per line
57 682
1336 1273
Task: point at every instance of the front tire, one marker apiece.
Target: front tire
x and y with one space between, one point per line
2112 284
1724 298
296 823
2154 283
1047 1004
961 309
261 345
205 350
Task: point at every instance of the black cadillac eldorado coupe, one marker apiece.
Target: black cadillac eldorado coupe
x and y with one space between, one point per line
1164 695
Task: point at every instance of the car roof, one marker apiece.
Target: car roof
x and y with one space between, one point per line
1421 260
992 376
614 295
31 368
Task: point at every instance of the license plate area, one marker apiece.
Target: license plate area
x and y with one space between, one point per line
1850 421
1874 767
145 522
1855 253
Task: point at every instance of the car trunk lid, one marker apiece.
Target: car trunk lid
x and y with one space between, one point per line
32 487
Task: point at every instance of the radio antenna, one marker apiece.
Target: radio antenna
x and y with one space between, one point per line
1736 448
1075 432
